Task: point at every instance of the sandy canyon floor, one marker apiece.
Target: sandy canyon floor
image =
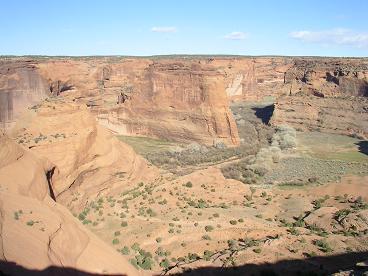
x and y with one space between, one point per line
306 209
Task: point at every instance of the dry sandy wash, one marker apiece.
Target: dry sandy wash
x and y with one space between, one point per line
195 165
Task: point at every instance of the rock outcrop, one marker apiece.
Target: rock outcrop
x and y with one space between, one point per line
37 232
188 100
329 77
178 98
348 116
21 86
88 159
328 96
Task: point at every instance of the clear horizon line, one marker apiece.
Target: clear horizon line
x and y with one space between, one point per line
177 55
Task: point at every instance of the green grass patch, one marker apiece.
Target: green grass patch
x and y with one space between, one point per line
146 145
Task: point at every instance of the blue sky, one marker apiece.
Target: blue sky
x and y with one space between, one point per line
259 27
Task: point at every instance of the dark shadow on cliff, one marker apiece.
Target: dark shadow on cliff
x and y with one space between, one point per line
309 266
11 268
324 265
363 147
264 113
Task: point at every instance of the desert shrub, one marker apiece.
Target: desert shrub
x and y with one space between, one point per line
284 138
16 215
195 154
125 250
219 145
151 213
189 184
207 255
144 262
135 246
165 263
233 222
257 250
159 239
293 231
317 230
253 167
81 216
340 215
87 221
208 228
124 224
134 263
30 223
261 170
115 241
323 246
241 171
318 202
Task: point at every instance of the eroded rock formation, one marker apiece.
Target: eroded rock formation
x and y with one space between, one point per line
36 232
180 98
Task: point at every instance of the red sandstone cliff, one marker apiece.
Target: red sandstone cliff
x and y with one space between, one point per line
182 98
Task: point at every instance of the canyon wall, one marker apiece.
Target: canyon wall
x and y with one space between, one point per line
180 98
329 96
21 86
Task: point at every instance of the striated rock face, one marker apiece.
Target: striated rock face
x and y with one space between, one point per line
329 77
182 101
179 98
132 96
347 116
21 86
329 96
36 232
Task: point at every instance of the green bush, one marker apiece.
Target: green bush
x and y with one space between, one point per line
115 241
257 250
208 228
125 250
30 223
189 184
165 263
135 246
81 216
323 246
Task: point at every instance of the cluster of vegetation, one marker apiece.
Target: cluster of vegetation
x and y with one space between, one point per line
195 154
284 138
252 168
40 138
323 245
58 135
226 255
17 214
26 138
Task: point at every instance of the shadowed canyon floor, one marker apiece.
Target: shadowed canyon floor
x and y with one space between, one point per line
226 185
